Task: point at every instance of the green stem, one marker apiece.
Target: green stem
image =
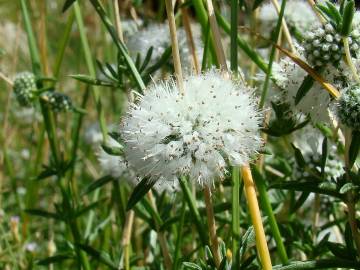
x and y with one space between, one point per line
34 53
91 68
202 16
265 202
272 56
235 224
256 58
179 237
193 209
349 59
63 43
233 36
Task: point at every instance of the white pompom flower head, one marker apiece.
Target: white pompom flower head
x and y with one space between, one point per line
197 134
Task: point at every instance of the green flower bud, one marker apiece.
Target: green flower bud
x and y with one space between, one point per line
58 102
24 88
324 45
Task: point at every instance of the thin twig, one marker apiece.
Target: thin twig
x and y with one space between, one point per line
118 20
125 242
212 227
6 79
189 37
285 27
349 59
161 236
174 45
313 5
217 38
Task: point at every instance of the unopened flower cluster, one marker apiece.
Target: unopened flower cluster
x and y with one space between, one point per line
24 88
324 45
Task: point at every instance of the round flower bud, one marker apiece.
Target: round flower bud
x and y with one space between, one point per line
24 88
327 38
198 133
58 102
348 107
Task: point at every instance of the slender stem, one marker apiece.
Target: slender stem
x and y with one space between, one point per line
193 209
175 45
91 68
118 21
313 5
179 236
212 226
63 42
285 27
235 213
220 55
272 55
203 20
349 195
161 236
261 243
189 37
6 79
256 58
125 242
349 59
34 53
265 201
233 36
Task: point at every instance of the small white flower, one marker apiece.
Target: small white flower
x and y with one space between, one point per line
168 134
31 247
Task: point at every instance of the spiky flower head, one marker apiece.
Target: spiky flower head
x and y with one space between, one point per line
24 88
58 102
288 76
324 45
348 107
215 122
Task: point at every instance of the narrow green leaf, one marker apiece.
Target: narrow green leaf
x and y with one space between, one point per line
190 265
299 157
43 213
67 4
248 50
324 154
90 80
139 192
100 256
113 151
98 183
309 186
304 89
55 259
347 187
348 15
320 264
354 147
